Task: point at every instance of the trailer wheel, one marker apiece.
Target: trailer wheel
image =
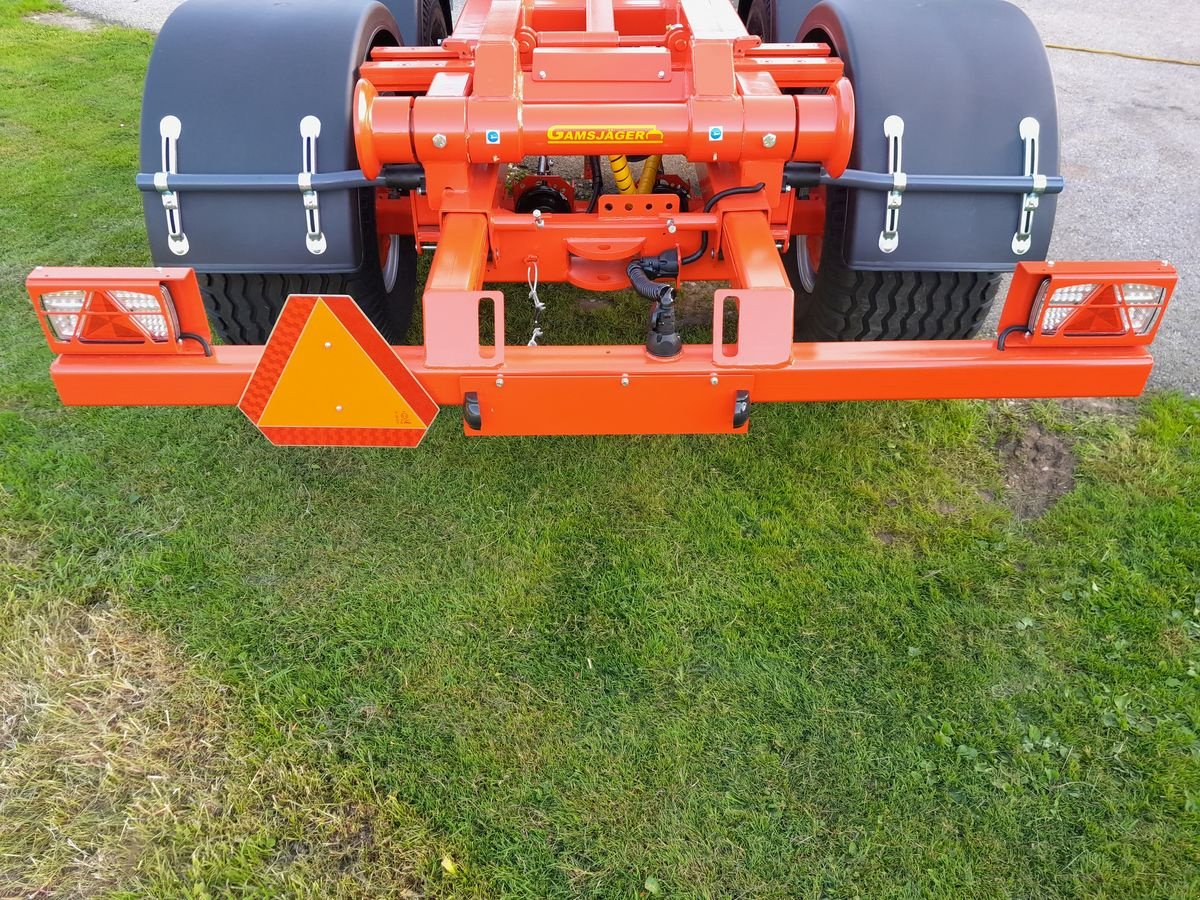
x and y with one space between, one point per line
243 308
434 27
836 303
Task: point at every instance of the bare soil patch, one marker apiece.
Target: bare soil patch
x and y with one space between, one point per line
1039 467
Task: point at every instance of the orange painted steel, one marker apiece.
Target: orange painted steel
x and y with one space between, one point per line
622 390
600 78
892 370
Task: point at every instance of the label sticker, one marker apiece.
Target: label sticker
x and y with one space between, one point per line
716 133
603 134
492 137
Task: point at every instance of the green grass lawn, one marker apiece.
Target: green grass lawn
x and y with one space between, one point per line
822 660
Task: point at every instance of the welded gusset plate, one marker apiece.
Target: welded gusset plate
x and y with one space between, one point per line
651 403
328 378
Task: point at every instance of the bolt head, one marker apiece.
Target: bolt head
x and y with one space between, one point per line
662 75
542 74
769 140
714 380
671 227
624 381
499 381
328 344
439 141
338 407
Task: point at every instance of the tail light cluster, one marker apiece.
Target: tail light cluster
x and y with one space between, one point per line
1097 309
1073 304
120 310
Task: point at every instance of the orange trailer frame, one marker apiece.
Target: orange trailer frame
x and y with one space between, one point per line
523 77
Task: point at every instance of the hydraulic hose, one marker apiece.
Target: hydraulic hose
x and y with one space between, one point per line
622 174
597 183
708 207
649 176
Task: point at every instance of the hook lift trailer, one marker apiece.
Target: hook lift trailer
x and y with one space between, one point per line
866 170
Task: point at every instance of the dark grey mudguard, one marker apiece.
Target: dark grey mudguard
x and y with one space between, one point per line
962 74
240 75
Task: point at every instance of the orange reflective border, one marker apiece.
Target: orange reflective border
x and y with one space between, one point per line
328 378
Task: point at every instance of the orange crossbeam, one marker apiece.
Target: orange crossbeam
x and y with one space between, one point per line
891 370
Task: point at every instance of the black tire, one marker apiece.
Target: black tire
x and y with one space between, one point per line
243 308
759 18
858 305
434 27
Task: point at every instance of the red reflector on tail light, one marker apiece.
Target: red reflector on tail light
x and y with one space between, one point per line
120 310
1115 303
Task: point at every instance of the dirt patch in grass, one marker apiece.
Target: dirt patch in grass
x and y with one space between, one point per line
1038 467
62 20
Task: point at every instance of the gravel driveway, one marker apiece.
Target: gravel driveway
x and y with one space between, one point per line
1130 141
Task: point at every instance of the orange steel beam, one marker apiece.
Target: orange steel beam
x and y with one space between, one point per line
890 370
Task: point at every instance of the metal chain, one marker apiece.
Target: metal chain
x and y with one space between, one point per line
531 276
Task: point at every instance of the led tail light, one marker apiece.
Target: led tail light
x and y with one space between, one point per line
1079 303
120 310
1142 305
62 312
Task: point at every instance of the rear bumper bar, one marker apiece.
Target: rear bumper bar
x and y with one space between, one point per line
619 390
1068 330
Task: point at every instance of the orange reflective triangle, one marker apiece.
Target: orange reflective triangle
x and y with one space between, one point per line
329 381
327 377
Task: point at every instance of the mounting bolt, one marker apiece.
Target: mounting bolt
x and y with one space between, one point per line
714 380
661 75
439 140
537 218
768 140
624 381
671 229
328 344
1050 262
338 407
542 74
499 381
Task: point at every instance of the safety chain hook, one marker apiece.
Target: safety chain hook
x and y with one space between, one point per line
531 276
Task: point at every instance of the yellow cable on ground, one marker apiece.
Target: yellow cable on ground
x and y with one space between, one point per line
622 174
649 176
1123 55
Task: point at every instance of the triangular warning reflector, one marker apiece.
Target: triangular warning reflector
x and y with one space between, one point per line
106 323
327 377
1099 315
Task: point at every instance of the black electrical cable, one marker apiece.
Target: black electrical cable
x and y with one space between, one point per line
708 207
646 286
1011 329
189 336
597 183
